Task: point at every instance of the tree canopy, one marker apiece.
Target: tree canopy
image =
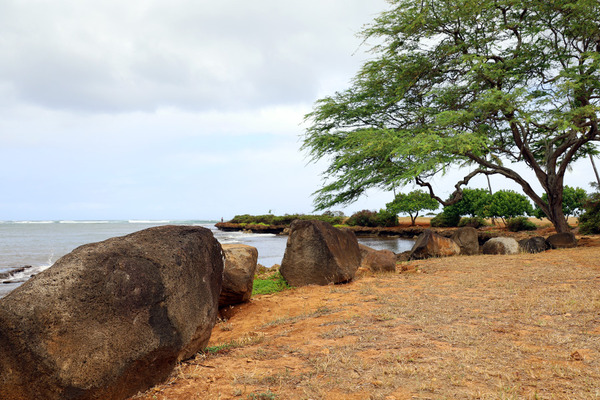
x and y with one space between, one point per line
486 83
412 203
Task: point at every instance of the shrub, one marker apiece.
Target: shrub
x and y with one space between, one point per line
445 220
589 221
363 218
473 222
373 219
520 224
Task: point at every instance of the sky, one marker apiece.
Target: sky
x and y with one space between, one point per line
187 109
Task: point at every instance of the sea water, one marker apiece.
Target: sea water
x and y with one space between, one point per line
29 247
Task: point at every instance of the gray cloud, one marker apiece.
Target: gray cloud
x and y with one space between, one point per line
114 56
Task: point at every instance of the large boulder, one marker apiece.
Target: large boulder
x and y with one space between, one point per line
319 254
536 244
111 318
238 275
430 244
562 240
467 239
377 260
500 245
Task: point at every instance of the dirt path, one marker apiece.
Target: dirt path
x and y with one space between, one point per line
480 327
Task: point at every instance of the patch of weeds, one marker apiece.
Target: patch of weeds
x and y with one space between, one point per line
272 283
268 395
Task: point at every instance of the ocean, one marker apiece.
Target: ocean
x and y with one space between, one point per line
29 247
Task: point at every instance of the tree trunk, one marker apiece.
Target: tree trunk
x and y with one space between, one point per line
557 217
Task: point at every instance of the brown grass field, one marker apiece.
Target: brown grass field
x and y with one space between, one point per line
480 327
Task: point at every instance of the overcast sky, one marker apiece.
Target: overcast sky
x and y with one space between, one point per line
146 109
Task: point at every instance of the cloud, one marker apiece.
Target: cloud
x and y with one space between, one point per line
142 55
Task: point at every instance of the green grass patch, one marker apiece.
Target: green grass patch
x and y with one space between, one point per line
269 283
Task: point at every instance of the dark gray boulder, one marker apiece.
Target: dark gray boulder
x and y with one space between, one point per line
111 318
563 240
430 244
501 245
319 254
238 275
467 239
536 244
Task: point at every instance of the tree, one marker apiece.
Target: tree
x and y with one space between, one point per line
574 201
507 204
412 203
474 203
490 83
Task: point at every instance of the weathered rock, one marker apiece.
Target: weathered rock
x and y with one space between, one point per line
238 275
430 244
467 239
404 256
500 245
536 244
377 260
111 318
319 254
563 240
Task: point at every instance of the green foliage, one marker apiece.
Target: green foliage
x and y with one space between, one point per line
271 283
331 217
574 200
445 219
520 224
589 221
509 204
473 222
486 83
412 203
372 219
474 203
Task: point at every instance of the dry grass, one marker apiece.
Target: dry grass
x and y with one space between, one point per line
480 327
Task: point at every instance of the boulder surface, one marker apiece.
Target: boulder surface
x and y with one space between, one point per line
111 318
501 245
238 275
319 254
563 240
536 244
377 260
467 239
430 244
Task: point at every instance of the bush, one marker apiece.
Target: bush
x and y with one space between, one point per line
473 222
520 224
589 221
373 219
507 204
332 217
445 220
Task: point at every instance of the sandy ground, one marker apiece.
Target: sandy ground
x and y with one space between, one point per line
479 327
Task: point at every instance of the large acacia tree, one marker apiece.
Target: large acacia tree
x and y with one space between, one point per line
487 84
